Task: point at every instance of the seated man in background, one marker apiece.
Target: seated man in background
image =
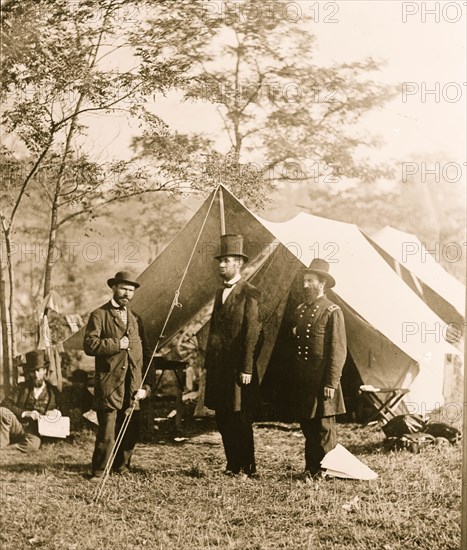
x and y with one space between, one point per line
20 410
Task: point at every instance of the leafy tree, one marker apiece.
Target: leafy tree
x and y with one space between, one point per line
286 117
60 66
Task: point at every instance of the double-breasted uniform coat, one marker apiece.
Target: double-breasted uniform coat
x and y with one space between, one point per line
320 352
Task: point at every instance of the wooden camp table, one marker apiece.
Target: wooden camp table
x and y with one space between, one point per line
385 400
178 368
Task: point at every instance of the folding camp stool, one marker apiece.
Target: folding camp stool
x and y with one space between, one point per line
178 368
385 400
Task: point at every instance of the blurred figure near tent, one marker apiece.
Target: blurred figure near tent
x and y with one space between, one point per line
51 302
21 409
76 399
320 352
231 378
115 336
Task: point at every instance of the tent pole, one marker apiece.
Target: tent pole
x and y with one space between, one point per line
175 303
221 209
464 452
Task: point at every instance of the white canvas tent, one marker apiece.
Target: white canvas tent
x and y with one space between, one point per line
388 326
422 271
385 320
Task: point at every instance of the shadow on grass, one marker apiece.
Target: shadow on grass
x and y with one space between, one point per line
369 447
167 430
42 467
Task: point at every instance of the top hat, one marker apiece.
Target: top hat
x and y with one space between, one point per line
123 277
36 360
321 267
231 245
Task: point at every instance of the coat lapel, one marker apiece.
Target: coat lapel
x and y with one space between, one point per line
132 323
231 298
116 317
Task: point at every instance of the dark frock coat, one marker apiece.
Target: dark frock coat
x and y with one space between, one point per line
320 352
104 330
233 336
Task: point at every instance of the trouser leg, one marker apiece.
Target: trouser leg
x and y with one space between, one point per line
29 443
320 438
236 429
225 425
105 439
129 440
11 428
245 441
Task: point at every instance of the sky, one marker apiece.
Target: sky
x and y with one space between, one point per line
424 45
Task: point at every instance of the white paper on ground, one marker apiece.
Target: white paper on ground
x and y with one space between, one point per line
91 415
341 463
56 427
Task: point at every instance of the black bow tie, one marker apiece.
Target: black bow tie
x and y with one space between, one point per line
229 285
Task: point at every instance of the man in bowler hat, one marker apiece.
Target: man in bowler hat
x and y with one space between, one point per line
231 378
21 409
115 337
320 352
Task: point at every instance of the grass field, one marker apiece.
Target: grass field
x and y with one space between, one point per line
178 498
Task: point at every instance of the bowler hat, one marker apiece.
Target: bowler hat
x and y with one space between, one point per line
321 267
36 360
231 245
123 277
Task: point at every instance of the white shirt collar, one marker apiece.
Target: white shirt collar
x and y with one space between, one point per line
114 304
37 391
234 280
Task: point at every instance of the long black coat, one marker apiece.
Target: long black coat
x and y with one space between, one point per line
104 330
233 336
320 352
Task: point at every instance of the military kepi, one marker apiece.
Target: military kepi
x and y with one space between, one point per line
321 267
231 245
123 277
36 360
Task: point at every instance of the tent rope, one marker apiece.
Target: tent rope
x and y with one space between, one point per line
130 410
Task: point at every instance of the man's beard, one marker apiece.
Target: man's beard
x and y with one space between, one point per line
310 295
38 383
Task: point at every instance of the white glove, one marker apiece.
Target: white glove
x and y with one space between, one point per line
140 394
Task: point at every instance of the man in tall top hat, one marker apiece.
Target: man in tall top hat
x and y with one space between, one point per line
21 409
320 352
115 337
231 378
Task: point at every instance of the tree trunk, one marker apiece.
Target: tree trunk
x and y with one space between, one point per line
6 355
50 252
11 301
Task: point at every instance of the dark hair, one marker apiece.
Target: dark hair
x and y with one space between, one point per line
322 279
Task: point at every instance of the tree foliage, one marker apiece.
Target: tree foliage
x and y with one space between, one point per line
284 114
63 64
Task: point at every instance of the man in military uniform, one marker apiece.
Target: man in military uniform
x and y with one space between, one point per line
320 352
